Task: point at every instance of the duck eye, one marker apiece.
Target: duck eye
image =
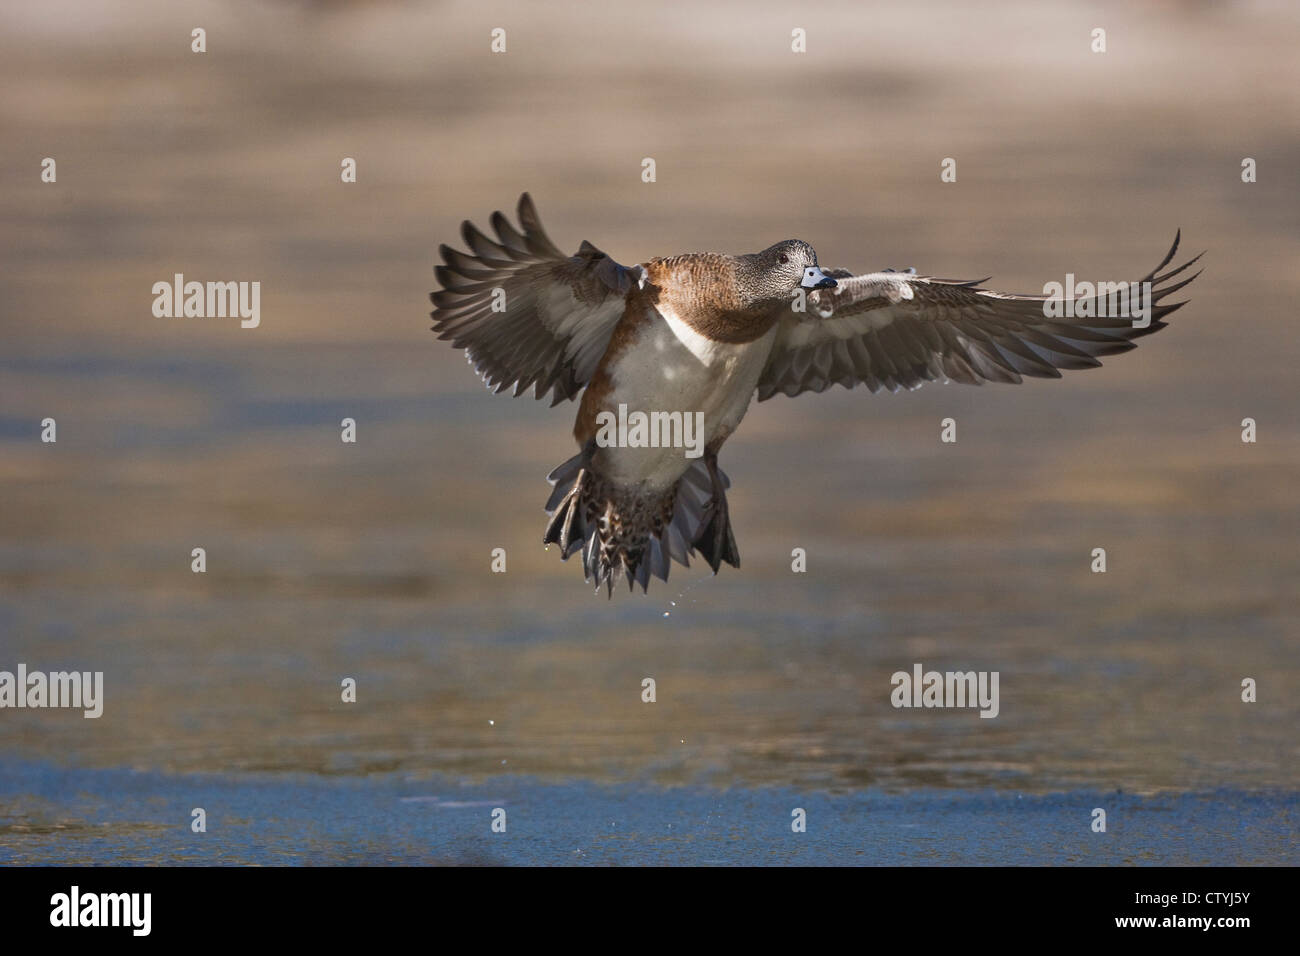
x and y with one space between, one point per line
783 259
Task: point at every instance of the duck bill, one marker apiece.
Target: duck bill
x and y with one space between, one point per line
814 278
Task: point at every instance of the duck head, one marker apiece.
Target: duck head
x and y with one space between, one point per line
773 275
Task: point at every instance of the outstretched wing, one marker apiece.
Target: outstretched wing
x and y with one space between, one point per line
893 330
525 313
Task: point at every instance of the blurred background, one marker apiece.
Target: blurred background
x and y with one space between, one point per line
372 560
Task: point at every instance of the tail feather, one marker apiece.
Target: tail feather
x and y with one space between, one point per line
626 533
659 561
678 547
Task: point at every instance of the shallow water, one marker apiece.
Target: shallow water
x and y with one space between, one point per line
116 817
372 560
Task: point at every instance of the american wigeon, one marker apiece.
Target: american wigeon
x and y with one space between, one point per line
670 353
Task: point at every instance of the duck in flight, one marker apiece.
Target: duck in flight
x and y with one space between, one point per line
698 336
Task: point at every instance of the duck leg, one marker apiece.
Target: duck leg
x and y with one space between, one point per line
716 542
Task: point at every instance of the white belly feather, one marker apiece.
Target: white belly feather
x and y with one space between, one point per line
672 368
